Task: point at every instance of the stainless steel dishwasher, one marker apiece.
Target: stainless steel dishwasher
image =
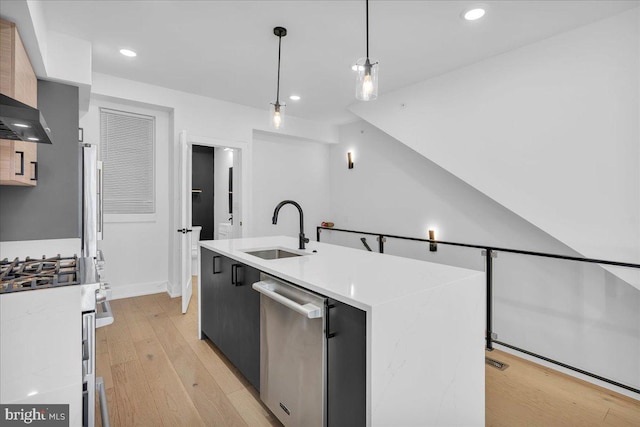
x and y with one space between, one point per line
292 353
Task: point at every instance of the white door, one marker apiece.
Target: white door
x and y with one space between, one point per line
185 221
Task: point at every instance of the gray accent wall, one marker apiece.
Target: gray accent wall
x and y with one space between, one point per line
50 210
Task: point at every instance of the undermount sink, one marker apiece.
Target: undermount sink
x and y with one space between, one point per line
273 253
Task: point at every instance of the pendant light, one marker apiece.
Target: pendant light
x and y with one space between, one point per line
276 110
367 80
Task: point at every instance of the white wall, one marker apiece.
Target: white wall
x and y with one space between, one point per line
550 130
287 168
136 247
578 314
204 117
54 56
223 160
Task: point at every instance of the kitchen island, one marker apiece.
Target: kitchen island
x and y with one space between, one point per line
424 325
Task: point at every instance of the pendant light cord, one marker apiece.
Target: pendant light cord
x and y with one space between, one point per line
278 86
367 13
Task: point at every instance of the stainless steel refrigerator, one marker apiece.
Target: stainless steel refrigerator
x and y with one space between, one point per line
92 230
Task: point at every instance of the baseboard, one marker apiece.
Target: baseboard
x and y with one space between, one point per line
174 293
173 290
138 289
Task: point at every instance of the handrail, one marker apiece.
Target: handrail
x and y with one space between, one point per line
493 248
489 253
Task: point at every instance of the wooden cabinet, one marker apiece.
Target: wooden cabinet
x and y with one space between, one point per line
18 163
18 159
230 315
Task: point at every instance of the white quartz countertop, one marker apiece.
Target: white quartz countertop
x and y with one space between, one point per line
358 278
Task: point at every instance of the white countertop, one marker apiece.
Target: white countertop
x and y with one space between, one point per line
358 278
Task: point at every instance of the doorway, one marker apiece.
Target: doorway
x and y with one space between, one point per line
202 192
212 195
232 177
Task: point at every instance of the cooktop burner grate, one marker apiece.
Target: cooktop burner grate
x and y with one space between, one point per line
31 273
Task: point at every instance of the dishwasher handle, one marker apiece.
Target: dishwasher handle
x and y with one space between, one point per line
309 310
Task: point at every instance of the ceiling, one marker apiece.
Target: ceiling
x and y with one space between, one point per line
227 50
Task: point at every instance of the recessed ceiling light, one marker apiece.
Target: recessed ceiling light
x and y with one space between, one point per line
474 14
128 52
33 139
21 125
295 97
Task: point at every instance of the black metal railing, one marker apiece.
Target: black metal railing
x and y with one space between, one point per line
490 252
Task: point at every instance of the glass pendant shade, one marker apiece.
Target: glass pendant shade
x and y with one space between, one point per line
276 115
367 80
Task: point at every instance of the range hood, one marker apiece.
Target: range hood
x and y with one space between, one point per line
21 122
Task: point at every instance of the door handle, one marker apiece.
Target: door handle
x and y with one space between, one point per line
216 265
21 163
327 307
35 171
184 230
234 274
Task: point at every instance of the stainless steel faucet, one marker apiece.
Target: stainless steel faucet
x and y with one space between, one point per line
301 239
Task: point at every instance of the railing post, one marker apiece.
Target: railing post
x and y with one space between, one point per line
489 274
381 243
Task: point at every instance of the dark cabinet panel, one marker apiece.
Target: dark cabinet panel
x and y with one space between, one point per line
213 310
244 312
231 312
346 365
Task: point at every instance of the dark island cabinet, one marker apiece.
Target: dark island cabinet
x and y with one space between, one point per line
346 365
231 311
231 320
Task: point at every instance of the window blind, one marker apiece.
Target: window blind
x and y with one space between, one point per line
127 143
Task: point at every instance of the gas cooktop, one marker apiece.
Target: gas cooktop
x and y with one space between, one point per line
32 273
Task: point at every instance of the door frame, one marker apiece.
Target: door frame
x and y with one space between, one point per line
244 150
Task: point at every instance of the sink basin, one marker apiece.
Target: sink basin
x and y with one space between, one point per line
273 253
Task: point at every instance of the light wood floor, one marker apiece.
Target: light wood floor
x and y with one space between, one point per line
528 394
158 373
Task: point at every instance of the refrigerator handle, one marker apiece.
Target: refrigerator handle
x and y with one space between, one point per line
100 200
104 411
